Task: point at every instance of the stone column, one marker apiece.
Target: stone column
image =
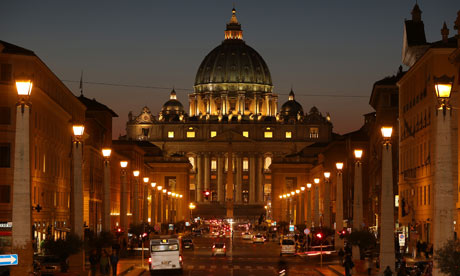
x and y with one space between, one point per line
317 214
358 197
160 218
302 208
106 225
152 207
260 180
339 210
327 204
252 179
387 226
199 178
207 175
239 178
22 217
443 184
135 197
123 201
220 179
309 220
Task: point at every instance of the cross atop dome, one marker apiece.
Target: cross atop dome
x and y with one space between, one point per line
233 30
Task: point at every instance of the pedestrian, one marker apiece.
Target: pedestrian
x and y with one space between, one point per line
348 264
93 261
114 262
387 271
402 269
369 266
104 263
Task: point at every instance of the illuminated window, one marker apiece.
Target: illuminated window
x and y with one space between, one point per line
268 162
268 134
288 134
191 159
314 132
214 165
190 134
170 134
245 164
246 134
213 133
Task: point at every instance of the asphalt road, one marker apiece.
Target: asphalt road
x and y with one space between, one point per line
244 258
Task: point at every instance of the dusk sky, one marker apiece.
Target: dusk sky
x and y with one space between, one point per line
323 49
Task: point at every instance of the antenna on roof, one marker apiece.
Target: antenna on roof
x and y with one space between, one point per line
81 83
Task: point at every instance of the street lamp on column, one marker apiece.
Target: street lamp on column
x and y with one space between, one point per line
191 206
357 198
123 195
327 201
339 207
387 249
135 212
22 209
317 214
145 211
106 152
443 228
309 205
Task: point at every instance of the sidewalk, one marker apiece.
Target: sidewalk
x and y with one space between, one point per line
340 270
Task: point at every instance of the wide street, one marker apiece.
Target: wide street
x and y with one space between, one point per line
244 258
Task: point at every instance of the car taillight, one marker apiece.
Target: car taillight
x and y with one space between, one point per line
180 258
213 246
224 245
150 260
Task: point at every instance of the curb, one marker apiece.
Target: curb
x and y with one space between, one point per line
334 270
126 271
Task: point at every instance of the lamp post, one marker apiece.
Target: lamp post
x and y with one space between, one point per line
191 206
387 248
123 196
152 203
145 211
339 207
358 191
317 213
309 205
443 186
106 152
135 216
327 200
302 205
22 209
159 196
77 261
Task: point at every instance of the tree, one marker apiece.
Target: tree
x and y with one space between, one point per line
63 248
447 258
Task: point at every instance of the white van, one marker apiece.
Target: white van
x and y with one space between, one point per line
165 254
287 246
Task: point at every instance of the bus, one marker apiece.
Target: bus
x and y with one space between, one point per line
165 254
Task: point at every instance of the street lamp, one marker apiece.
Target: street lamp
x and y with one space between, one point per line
145 212
358 198
387 249
316 203
191 206
309 221
22 209
339 207
135 191
327 201
106 152
153 184
444 195
123 195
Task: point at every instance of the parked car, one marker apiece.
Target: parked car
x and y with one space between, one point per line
187 244
287 246
246 236
219 248
259 238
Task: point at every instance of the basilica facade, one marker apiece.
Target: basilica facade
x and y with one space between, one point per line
233 130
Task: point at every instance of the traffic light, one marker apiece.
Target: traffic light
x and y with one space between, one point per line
319 235
342 233
207 194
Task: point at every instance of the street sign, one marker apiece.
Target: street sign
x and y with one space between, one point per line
157 227
11 259
171 226
291 228
306 231
402 239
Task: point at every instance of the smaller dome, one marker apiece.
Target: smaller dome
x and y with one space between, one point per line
173 106
291 107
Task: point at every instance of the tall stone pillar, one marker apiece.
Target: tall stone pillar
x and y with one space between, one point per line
123 201
358 197
106 225
316 218
387 226
339 210
207 174
22 217
327 204
252 179
160 218
239 179
145 212
199 178
153 217
229 191
260 180
309 220
220 179
443 184
135 197
302 208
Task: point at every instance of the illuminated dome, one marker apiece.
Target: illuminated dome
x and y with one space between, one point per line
233 62
291 107
173 106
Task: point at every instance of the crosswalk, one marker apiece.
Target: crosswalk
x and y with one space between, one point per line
229 267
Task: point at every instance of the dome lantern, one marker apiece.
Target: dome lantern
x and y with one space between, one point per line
233 30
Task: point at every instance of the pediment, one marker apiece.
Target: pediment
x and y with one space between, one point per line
230 136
